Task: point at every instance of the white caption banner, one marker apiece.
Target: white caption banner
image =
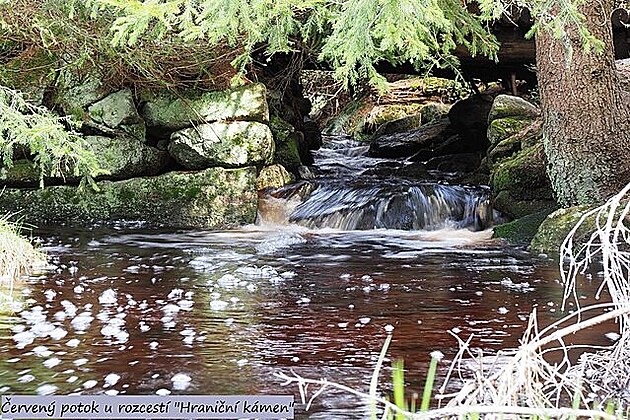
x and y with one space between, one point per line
147 407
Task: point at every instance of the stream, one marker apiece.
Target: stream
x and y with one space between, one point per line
333 266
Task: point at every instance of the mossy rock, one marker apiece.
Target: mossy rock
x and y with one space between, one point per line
523 175
274 176
528 137
173 111
521 231
557 226
503 128
382 114
507 106
515 208
216 198
351 119
445 89
287 151
122 158
75 93
226 144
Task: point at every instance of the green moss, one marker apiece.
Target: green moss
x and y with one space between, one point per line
214 198
523 175
351 119
186 108
521 231
437 86
382 114
502 128
556 227
287 151
515 208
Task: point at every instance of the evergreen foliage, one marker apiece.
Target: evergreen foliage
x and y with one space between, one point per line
354 35
55 150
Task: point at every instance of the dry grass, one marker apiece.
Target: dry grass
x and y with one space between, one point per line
523 383
17 255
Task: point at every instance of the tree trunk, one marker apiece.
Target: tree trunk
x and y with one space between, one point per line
586 115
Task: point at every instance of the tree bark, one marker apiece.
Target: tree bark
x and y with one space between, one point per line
586 117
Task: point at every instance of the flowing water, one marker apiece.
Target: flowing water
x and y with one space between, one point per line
314 289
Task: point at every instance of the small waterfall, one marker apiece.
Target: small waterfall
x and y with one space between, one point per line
347 195
403 206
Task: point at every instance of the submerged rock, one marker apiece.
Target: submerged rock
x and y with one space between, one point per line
521 231
213 199
227 144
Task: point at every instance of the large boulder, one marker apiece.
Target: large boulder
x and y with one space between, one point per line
212 199
121 158
227 144
288 150
505 106
557 226
469 118
520 183
166 112
118 111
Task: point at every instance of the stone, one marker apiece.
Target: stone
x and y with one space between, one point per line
521 231
525 138
463 162
428 113
287 152
470 117
557 226
408 123
516 208
118 111
523 175
216 198
408 143
122 158
75 94
506 106
226 144
503 128
274 176
383 114
169 112
115 109
126 158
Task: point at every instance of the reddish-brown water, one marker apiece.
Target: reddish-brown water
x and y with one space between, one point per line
229 309
142 311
